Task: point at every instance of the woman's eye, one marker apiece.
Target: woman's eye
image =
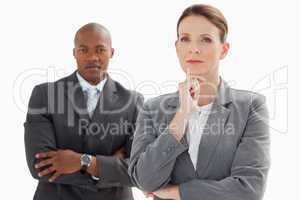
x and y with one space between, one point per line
184 39
206 40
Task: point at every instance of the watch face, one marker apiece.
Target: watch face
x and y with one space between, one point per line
85 159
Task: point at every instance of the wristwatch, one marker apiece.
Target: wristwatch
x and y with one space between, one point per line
85 162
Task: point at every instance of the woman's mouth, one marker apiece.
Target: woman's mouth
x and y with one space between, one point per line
194 61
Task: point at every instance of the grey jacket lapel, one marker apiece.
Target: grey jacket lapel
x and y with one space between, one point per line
214 128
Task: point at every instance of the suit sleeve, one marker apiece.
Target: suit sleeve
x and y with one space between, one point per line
113 171
40 137
153 155
249 169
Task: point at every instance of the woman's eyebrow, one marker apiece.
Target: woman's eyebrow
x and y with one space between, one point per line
184 34
202 34
206 34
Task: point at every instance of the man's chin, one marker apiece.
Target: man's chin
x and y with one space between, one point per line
96 77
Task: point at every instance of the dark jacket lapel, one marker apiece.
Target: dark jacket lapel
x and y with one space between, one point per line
75 96
107 101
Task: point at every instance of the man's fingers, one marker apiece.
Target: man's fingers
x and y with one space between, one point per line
44 163
46 154
46 171
54 176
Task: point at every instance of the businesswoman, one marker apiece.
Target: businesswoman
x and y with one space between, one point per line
207 141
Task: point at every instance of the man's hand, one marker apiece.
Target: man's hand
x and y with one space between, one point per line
58 163
169 192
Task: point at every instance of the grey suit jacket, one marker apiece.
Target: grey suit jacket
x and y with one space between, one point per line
58 119
233 159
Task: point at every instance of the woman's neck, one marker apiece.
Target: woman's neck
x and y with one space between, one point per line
208 91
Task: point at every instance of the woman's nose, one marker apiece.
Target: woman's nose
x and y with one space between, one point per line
194 48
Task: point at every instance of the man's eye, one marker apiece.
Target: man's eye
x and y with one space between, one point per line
82 50
184 39
101 50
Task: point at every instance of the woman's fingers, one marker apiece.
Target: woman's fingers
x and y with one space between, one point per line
148 194
194 89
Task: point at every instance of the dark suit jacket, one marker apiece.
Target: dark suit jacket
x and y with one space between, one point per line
57 119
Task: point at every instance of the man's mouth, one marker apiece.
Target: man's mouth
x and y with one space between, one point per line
91 66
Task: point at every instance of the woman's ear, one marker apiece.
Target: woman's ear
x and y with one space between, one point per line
225 49
176 45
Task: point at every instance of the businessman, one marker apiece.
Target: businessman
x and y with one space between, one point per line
79 129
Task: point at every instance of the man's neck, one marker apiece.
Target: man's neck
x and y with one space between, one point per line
95 81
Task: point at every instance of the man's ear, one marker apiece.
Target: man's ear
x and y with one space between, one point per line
112 52
74 52
225 49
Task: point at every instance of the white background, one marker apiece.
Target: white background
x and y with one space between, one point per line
36 44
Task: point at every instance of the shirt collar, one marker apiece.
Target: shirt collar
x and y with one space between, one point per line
86 85
204 109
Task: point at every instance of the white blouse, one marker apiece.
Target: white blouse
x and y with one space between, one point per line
195 127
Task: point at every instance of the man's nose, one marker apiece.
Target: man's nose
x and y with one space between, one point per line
92 56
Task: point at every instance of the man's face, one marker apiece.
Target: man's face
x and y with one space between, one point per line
92 53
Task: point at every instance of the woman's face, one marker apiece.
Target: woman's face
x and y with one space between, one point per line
199 47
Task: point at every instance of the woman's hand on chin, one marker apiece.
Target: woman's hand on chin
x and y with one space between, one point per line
189 94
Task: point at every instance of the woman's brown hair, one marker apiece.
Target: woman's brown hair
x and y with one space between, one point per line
211 13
